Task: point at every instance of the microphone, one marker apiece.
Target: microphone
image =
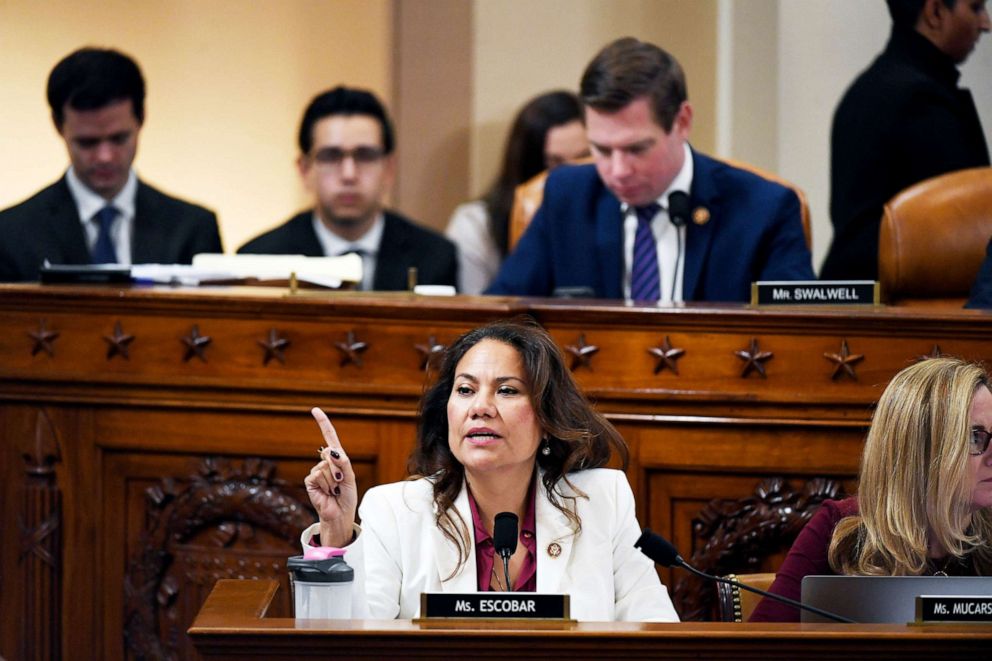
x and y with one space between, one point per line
661 551
678 213
505 541
678 208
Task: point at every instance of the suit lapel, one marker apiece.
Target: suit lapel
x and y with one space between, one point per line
390 272
609 243
553 528
65 229
704 194
151 236
446 554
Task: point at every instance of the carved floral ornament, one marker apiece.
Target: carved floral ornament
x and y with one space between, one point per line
223 503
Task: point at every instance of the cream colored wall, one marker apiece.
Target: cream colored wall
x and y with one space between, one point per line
227 83
523 48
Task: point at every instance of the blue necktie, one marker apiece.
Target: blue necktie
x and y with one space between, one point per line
645 282
103 249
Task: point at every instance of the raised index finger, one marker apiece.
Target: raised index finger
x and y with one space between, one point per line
327 429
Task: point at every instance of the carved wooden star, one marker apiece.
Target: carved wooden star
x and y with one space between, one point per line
196 344
934 353
582 353
274 346
844 362
351 350
754 359
117 344
666 356
43 339
429 352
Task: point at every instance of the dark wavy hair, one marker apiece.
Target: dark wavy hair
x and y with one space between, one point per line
579 437
93 78
629 69
523 157
344 101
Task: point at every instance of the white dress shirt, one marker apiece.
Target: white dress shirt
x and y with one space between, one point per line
670 240
366 245
89 203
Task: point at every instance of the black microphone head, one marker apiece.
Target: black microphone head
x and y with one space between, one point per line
679 208
658 549
505 534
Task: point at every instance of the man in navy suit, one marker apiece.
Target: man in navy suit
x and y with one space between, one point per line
615 230
346 162
100 212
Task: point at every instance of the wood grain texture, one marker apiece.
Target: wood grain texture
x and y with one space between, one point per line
131 430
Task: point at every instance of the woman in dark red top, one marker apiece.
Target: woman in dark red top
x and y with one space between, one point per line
924 503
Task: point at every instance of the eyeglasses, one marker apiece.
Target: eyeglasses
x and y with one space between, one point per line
979 441
334 157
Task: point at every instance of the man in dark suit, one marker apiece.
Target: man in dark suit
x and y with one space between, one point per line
903 120
99 212
346 147
652 220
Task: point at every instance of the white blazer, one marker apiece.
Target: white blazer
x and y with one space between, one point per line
400 552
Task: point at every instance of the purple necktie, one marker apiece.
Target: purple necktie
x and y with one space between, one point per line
645 283
103 249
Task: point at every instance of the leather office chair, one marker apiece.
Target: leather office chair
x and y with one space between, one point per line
933 237
735 604
529 194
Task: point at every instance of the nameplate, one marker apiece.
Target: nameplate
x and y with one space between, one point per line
494 605
932 608
815 292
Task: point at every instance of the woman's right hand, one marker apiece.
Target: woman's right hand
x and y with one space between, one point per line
332 488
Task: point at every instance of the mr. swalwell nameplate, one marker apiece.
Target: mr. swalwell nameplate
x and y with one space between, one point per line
815 292
489 605
954 608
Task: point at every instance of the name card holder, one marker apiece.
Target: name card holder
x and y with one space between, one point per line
815 292
494 607
933 609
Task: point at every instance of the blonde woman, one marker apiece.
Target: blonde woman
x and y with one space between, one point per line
924 503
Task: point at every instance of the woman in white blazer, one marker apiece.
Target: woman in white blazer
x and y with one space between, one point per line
504 428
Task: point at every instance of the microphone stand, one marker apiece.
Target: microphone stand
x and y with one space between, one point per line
661 551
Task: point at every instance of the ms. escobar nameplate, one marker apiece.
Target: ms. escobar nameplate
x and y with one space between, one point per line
815 292
527 605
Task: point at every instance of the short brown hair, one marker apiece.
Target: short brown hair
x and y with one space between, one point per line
629 69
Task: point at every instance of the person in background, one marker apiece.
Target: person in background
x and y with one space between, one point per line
903 120
504 428
546 133
100 212
981 290
346 162
924 502
605 230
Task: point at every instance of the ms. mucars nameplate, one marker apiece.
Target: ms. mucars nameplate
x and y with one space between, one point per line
499 605
815 292
935 608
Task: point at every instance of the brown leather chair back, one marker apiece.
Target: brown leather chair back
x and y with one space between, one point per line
735 604
933 238
529 194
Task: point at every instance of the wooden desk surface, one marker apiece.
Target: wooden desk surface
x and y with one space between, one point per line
232 625
126 414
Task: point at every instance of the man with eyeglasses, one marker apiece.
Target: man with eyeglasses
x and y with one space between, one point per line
346 162
100 212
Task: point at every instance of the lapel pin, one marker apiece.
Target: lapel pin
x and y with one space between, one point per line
700 215
554 549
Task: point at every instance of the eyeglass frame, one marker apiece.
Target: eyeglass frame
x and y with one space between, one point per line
972 445
363 156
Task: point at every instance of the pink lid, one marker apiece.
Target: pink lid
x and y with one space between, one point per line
322 552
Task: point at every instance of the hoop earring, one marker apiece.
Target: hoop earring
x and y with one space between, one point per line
546 449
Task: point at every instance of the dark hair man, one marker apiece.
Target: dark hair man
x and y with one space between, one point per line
100 212
346 161
609 230
903 120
